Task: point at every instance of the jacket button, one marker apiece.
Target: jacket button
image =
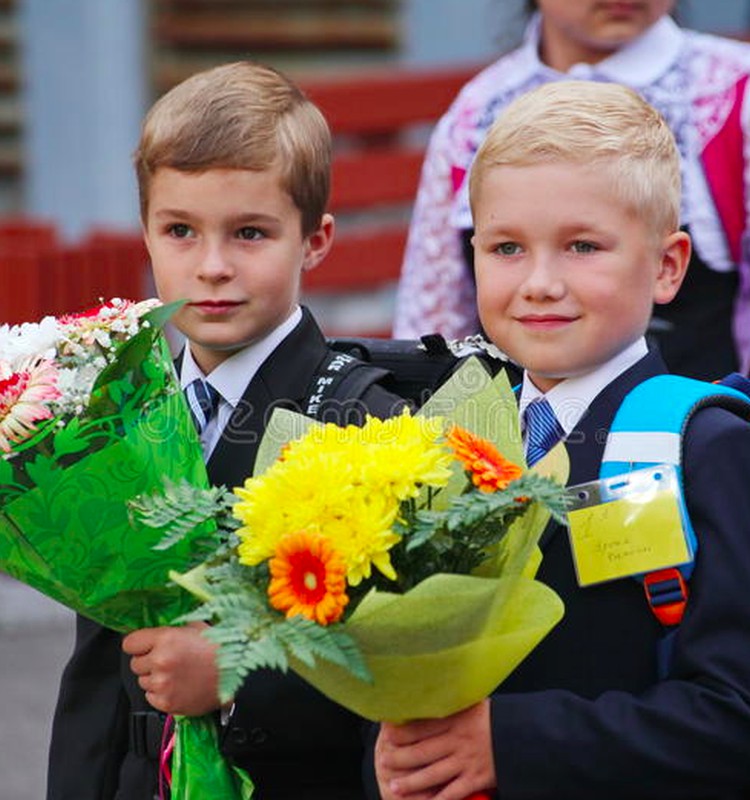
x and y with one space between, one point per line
257 736
238 735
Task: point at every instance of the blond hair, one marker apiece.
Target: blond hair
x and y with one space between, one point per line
241 115
589 123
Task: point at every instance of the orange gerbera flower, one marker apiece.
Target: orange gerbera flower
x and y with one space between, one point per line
308 577
489 469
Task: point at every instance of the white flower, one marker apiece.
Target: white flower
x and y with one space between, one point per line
48 368
20 342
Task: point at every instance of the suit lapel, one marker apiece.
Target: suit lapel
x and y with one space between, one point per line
282 381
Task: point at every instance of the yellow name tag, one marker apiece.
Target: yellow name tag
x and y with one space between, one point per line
628 525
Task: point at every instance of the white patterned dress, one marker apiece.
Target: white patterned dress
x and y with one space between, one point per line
697 81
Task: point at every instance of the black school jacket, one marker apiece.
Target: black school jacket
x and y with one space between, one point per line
585 716
295 743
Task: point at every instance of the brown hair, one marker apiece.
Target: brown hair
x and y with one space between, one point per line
241 115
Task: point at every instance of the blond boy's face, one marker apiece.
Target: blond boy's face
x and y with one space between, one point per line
229 241
566 275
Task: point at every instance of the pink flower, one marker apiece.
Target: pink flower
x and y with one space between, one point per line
102 326
23 397
116 308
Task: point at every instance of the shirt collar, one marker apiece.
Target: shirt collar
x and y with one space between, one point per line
232 376
570 398
640 63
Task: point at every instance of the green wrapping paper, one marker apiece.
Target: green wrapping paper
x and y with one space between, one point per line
198 765
443 646
66 529
71 536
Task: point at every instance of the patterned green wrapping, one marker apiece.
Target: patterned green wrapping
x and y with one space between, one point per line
198 764
65 528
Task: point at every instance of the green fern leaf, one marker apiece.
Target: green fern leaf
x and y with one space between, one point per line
178 510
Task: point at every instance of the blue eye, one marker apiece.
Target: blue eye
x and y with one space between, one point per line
584 247
508 248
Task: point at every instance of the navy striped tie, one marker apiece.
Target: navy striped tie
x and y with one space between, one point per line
203 400
543 431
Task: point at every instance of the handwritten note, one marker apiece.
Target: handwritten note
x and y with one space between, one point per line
624 537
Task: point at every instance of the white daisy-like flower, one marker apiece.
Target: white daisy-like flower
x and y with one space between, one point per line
20 342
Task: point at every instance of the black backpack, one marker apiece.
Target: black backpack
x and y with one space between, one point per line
410 368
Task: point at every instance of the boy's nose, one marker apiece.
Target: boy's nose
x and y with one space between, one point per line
543 281
215 264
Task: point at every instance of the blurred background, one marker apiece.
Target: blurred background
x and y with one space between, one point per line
76 77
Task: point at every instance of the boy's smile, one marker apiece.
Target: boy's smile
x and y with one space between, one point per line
566 273
230 242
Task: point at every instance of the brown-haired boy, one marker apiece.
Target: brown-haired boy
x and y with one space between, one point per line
233 168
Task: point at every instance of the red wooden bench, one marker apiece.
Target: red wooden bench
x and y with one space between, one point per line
380 123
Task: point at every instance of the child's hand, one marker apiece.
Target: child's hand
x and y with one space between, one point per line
176 668
439 759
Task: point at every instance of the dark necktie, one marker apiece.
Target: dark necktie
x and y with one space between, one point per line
543 431
203 400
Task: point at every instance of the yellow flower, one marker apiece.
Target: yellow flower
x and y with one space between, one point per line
307 578
405 453
292 495
345 484
319 493
365 535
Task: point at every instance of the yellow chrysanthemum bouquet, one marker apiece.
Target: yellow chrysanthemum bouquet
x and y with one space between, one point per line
390 565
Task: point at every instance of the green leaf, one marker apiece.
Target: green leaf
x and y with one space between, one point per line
69 439
42 471
159 316
6 472
426 524
178 510
307 641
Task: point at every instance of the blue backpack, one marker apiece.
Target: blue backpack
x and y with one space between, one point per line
647 431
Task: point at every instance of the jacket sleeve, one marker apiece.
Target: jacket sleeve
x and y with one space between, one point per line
684 737
89 728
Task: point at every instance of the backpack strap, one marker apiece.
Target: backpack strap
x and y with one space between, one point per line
418 367
648 430
341 377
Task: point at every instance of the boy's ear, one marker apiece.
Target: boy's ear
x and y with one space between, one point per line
318 243
675 255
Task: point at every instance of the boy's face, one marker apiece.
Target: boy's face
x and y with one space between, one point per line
566 275
229 241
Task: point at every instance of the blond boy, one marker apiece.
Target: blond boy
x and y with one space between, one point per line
575 197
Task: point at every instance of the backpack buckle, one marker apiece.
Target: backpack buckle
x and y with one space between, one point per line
667 594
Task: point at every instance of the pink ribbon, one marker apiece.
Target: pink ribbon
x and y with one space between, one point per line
165 757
